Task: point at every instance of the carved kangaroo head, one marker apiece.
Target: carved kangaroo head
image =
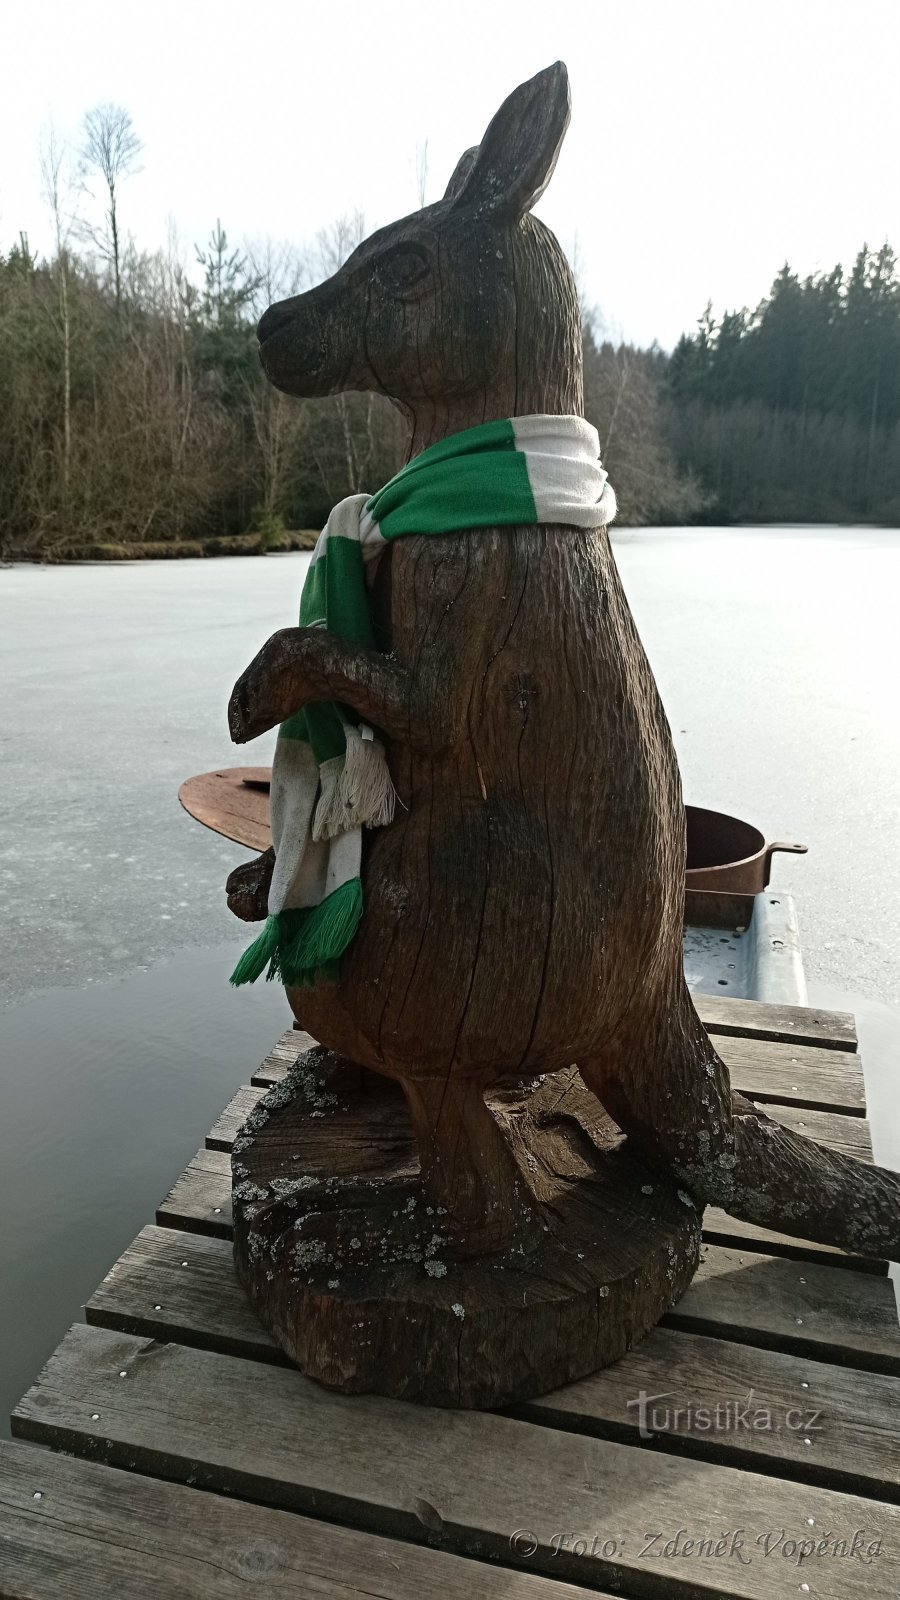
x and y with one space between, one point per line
466 304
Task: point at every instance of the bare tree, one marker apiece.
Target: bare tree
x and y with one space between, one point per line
110 147
335 243
58 184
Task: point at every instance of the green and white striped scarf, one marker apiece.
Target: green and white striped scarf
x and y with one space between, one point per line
330 776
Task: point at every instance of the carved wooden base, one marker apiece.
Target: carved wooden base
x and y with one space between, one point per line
356 1274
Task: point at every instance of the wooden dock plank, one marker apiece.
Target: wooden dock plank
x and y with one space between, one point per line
152 1293
801 1075
98 1533
733 1232
225 1129
170 1285
202 1303
796 1306
849 1134
466 1480
829 1030
200 1200
721 1401
762 1069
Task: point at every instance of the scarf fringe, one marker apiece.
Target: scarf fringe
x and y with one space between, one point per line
302 945
262 951
330 817
366 783
357 789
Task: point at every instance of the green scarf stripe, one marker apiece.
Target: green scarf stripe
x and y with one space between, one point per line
522 470
475 479
334 591
492 491
334 594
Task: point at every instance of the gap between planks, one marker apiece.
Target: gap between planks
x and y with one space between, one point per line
171 1287
96 1533
804 1309
462 1480
579 1409
831 1030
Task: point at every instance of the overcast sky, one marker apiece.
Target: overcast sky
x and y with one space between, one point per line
710 139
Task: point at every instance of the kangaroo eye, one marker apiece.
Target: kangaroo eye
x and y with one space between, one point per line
402 267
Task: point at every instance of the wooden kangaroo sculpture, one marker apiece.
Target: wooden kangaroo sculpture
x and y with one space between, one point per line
523 913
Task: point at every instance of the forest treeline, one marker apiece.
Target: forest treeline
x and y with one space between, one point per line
792 412
135 418
144 425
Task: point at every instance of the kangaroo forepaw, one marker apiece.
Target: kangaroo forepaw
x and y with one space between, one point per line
247 888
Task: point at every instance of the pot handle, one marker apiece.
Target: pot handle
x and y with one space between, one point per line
793 849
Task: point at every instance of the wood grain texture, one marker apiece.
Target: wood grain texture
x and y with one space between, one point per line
151 1294
359 1279
795 1074
232 801
801 1075
735 1294
795 1306
784 1180
732 1232
850 1134
726 1402
101 1534
847 1133
200 1200
206 1185
464 1481
228 1123
762 1069
754 1019
170 1285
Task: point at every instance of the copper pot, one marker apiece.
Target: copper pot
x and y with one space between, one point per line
727 854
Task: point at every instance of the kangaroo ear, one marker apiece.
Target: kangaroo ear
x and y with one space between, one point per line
461 174
510 169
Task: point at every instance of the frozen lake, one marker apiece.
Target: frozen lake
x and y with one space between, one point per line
778 656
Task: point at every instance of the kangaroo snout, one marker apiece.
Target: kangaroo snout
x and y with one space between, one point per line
277 317
293 346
